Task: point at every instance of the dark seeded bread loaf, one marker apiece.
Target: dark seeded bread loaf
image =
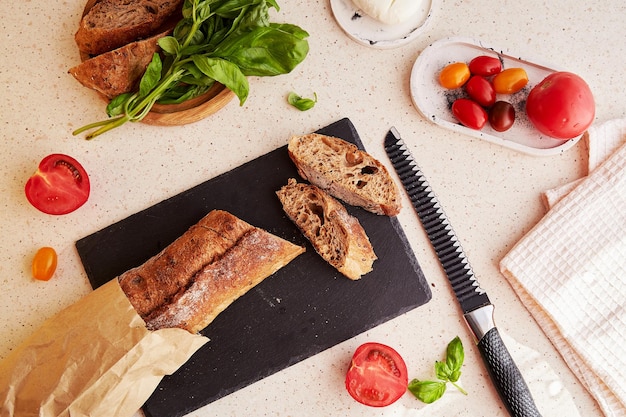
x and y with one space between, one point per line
110 24
345 172
118 71
337 236
202 272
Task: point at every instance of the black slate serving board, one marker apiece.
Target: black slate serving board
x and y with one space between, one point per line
303 309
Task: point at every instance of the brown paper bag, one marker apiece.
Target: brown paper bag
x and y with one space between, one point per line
94 358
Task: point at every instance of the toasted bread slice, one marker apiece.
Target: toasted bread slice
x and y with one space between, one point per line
202 272
110 24
118 71
337 236
345 172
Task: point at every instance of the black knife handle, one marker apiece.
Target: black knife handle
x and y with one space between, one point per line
507 377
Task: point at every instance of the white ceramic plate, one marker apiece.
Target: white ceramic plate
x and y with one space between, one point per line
370 32
434 102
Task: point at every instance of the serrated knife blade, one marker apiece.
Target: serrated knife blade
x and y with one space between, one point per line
477 309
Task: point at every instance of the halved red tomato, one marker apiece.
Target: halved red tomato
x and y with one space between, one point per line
377 376
59 186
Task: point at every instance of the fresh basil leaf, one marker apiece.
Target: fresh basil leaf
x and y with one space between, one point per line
454 376
224 72
455 354
300 103
193 76
117 105
151 77
265 51
203 11
182 93
170 45
427 391
188 6
442 370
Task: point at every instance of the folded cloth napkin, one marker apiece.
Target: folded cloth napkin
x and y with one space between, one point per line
570 272
601 142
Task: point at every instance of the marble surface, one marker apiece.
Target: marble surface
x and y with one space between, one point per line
490 193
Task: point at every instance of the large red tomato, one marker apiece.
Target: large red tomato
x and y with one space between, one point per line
377 376
59 186
561 106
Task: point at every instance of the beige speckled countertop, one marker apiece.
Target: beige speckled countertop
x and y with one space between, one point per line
490 193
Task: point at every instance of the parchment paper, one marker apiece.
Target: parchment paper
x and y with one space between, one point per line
94 358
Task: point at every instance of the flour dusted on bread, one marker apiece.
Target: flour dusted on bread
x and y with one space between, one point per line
202 272
337 236
345 172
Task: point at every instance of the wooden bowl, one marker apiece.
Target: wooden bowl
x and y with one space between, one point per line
189 111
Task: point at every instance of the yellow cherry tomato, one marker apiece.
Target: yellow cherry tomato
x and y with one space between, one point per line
510 81
44 263
454 75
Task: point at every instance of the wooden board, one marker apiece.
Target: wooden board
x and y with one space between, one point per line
303 309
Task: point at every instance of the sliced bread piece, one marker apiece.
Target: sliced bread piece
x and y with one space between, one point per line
202 272
110 24
118 71
345 172
337 236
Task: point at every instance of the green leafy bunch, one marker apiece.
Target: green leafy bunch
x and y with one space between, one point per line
221 41
446 371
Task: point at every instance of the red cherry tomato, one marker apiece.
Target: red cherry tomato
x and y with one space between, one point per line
44 263
469 113
485 66
501 116
481 90
59 186
561 106
377 376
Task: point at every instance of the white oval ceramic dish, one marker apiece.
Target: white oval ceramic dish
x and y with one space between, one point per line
370 32
434 102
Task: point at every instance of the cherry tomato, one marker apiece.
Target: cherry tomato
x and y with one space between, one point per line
501 116
510 81
561 105
469 113
481 90
485 66
377 376
44 263
59 186
454 75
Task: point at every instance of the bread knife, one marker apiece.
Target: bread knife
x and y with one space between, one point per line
477 309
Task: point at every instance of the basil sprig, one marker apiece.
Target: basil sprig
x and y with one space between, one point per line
221 41
447 371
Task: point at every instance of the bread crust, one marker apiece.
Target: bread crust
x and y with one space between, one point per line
336 236
203 271
118 71
110 24
345 172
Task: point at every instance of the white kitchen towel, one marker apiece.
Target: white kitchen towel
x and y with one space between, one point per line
602 141
570 272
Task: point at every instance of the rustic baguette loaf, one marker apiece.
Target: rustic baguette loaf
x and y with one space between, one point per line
110 24
118 71
345 172
202 272
337 236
